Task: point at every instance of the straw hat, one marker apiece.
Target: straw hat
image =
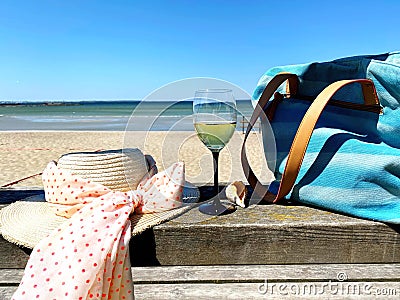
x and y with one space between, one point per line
26 222
115 169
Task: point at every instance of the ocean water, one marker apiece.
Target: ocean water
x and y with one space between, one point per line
104 115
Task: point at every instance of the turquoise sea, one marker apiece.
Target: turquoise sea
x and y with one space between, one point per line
104 115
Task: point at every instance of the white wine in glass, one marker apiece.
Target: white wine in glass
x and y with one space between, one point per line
214 117
215 135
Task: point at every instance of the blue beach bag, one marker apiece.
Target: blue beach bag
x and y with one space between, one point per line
335 130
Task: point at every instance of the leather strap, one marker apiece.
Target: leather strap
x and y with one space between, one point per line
302 137
291 85
259 111
307 125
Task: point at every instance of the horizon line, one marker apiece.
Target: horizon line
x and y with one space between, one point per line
83 100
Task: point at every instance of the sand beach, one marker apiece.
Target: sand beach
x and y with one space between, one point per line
24 153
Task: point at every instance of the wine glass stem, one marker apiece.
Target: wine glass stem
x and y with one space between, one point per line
216 184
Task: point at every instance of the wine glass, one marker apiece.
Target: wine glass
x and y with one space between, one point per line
214 117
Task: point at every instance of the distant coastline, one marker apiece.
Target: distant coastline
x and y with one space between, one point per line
90 101
63 102
102 115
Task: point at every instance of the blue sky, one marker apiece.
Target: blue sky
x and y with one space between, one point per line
68 49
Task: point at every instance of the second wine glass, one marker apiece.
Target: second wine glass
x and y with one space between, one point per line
214 117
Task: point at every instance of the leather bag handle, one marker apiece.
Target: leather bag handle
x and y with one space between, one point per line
303 134
259 111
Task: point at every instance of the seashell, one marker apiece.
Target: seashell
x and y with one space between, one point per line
236 193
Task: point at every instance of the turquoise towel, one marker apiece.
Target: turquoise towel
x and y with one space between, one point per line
352 163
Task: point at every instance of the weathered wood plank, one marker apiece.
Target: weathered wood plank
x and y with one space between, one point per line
253 282
6 292
10 276
275 235
282 290
11 256
251 273
260 234
239 291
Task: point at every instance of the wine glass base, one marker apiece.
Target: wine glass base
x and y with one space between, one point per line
216 210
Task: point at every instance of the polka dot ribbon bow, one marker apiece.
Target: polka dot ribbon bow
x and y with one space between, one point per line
88 256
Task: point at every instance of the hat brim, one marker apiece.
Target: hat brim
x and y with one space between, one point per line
26 222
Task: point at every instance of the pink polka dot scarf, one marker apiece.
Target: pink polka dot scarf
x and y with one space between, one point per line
88 257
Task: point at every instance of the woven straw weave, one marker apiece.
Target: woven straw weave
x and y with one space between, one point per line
115 169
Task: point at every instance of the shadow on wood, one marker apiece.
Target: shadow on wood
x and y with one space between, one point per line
142 249
9 195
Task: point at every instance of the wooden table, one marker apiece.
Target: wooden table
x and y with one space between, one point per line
264 251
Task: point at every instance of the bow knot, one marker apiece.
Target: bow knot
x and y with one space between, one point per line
88 257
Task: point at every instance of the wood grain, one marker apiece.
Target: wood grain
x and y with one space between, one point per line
361 281
260 234
282 290
241 291
275 235
6 292
250 273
